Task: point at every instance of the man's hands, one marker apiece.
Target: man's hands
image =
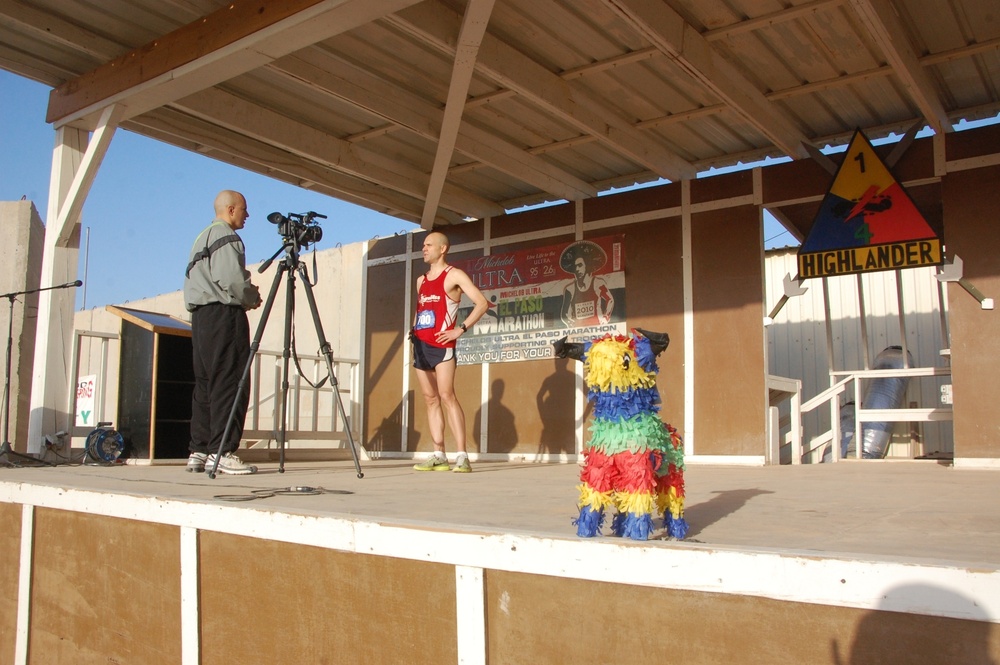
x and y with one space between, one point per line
257 302
443 337
446 336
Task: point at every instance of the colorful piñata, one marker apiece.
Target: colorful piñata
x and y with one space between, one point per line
634 461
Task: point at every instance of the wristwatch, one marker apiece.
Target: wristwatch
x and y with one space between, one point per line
464 329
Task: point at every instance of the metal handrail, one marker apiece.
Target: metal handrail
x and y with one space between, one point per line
861 415
305 412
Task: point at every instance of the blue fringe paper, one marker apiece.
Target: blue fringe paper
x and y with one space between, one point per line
589 523
676 526
644 354
618 524
615 405
632 525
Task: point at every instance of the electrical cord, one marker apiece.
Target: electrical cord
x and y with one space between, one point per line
279 491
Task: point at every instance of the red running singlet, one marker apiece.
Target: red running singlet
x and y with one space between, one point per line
436 311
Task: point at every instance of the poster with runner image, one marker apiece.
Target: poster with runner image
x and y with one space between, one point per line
541 294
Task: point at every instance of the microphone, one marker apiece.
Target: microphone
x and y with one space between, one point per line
78 282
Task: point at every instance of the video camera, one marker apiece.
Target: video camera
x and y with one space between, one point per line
300 228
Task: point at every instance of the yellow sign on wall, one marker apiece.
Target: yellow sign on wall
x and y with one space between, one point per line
867 222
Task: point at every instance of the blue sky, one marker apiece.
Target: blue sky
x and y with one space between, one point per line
150 200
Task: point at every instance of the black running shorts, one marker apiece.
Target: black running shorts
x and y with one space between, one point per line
427 357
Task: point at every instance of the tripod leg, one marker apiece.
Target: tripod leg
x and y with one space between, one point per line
328 354
286 354
254 345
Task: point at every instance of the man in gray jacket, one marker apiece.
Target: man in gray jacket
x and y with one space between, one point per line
218 293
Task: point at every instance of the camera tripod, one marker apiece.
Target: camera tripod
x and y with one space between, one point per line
289 265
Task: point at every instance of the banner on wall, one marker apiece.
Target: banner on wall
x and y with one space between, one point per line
541 294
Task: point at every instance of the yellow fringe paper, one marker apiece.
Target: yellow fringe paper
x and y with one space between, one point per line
670 500
596 501
607 370
640 503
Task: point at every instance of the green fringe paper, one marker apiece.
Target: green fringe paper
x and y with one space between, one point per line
638 434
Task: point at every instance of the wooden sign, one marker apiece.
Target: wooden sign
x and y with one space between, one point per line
867 222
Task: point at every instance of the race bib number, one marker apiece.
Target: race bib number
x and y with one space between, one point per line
425 319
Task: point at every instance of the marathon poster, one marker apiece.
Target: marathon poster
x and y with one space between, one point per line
543 294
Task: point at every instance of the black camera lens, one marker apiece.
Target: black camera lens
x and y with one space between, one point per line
312 234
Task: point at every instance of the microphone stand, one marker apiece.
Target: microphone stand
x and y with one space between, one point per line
5 448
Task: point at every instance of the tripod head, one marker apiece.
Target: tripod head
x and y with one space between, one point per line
297 231
302 229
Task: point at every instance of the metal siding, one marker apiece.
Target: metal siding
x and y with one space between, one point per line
797 338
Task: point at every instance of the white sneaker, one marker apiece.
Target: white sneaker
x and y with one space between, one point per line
231 464
196 462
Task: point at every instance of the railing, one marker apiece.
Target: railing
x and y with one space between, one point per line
314 414
831 396
779 389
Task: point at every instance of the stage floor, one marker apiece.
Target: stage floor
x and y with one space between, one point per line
919 511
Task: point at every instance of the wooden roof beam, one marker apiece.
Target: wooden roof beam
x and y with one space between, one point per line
26 19
191 133
668 31
406 111
231 41
477 17
882 22
226 110
437 25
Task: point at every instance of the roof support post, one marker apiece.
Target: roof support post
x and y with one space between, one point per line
477 16
76 158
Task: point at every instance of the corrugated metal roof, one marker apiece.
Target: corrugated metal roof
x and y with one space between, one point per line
566 98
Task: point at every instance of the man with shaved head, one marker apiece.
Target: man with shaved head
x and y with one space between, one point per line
218 292
434 335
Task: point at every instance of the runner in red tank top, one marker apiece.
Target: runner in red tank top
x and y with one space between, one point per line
434 334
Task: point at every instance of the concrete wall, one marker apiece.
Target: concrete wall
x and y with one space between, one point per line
22 235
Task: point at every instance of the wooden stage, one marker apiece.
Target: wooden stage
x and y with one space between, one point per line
856 562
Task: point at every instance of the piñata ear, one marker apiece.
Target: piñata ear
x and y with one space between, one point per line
564 349
657 341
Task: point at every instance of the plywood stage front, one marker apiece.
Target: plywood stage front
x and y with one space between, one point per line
851 563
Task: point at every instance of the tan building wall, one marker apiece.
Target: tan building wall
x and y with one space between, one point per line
532 405
710 301
970 208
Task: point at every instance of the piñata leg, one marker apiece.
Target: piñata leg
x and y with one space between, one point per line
634 495
596 490
670 487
